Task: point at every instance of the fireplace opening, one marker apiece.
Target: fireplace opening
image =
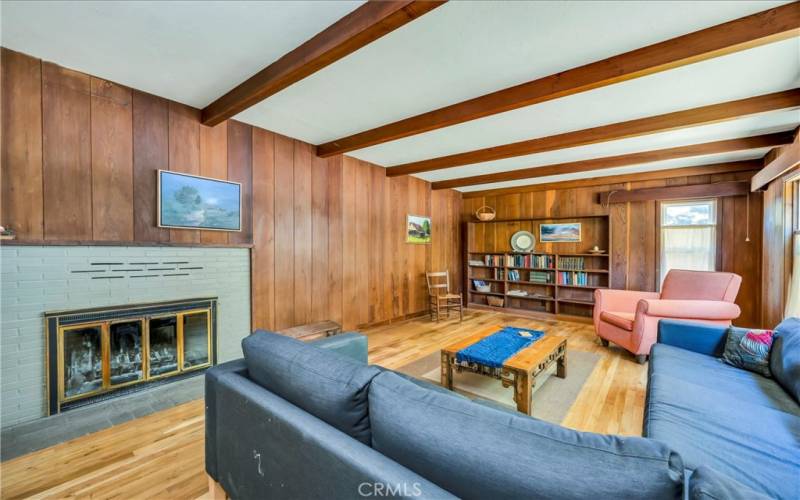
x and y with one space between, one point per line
95 354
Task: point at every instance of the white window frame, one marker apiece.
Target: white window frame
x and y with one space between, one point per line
662 228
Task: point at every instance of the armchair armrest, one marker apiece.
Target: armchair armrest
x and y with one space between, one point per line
689 309
620 300
696 337
352 345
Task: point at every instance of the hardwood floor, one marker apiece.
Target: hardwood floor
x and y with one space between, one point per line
161 455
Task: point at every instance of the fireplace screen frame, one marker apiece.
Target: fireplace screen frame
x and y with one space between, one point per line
60 323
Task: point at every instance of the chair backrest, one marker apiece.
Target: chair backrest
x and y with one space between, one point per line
438 282
681 284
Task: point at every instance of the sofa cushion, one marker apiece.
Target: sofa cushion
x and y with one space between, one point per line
784 361
713 374
475 451
748 349
621 319
327 385
707 484
753 444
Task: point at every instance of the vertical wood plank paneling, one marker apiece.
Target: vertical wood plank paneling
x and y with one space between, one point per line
350 313
303 155
319 239
375 277
150 153
214 164
22 202
66 154
398 187
262 282
184 154
388 237
335 238
361 221
284 232
240 169
112 161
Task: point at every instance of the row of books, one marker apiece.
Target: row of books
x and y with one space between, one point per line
528 261
542 277
513 275
571 263
573 278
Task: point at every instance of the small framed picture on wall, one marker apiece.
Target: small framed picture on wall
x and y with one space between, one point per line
418 229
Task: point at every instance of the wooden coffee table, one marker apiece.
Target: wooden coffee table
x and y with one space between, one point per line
519 371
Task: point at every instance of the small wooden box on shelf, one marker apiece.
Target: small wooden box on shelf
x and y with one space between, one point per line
559 280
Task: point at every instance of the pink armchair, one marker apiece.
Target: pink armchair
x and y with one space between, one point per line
630 319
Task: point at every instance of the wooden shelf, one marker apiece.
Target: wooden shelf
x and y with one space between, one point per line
530 297
487 293
486 279
531 268
575 301
584 254
596 271
532 283
587 287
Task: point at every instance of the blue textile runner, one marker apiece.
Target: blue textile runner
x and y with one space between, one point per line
496 348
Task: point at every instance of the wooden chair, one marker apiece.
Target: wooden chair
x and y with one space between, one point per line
440 297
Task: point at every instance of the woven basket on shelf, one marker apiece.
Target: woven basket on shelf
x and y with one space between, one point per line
495 301
485 213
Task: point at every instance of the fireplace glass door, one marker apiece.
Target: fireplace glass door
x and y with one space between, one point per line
163 345
195 339
125 352
82 361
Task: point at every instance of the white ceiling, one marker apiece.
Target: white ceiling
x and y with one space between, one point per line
191 52
194 51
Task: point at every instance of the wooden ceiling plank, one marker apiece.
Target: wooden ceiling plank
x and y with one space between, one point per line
777 162
715 168
357 29
707 148
703 115
744 33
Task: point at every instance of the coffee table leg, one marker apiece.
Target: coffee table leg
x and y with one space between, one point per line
523 385
561 366
447 372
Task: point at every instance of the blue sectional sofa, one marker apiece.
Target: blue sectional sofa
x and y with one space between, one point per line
737 422
296 420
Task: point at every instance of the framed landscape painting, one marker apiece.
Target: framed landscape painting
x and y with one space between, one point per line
418 229
560 233
193 202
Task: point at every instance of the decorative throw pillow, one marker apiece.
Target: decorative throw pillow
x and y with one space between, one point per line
749 349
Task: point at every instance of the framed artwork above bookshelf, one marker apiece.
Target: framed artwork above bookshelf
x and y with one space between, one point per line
556 279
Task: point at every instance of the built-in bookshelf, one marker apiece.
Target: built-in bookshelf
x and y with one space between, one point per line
544 282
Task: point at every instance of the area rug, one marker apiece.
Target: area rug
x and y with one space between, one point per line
552 396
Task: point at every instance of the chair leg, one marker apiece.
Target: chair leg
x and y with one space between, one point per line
641 358
604 342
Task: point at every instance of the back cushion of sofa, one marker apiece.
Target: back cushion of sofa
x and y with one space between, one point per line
784 359
475 451
327 385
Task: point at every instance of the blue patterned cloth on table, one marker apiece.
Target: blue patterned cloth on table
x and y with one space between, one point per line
495 349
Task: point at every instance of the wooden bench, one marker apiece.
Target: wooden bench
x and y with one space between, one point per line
313 331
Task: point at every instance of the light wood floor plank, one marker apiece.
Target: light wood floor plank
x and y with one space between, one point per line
162 455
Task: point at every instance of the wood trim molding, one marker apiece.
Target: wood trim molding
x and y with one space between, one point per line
716 168
741 144
633 128
778 162
713 190
357 29
740 34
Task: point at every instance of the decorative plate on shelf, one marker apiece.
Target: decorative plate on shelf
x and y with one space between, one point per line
522 241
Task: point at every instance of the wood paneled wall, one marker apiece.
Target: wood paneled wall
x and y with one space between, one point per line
779 223
330 238
634 230
79 156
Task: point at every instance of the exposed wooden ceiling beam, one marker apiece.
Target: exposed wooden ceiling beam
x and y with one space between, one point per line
707 148
713 190
777 163
703 115
610 180
744 33
361 27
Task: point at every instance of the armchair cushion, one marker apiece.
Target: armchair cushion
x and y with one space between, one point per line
689 309
623 320
702 285
620 300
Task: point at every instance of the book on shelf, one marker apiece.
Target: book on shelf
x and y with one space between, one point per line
542 277
493 260
474 262
571 263
531 261
573 278
517 293
513 275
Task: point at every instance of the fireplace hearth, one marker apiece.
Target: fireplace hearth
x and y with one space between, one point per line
96 354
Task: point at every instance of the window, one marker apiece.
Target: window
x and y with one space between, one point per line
688 235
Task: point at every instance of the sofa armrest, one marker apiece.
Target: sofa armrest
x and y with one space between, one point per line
620 300
689 309
212 377
697 337
352 345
